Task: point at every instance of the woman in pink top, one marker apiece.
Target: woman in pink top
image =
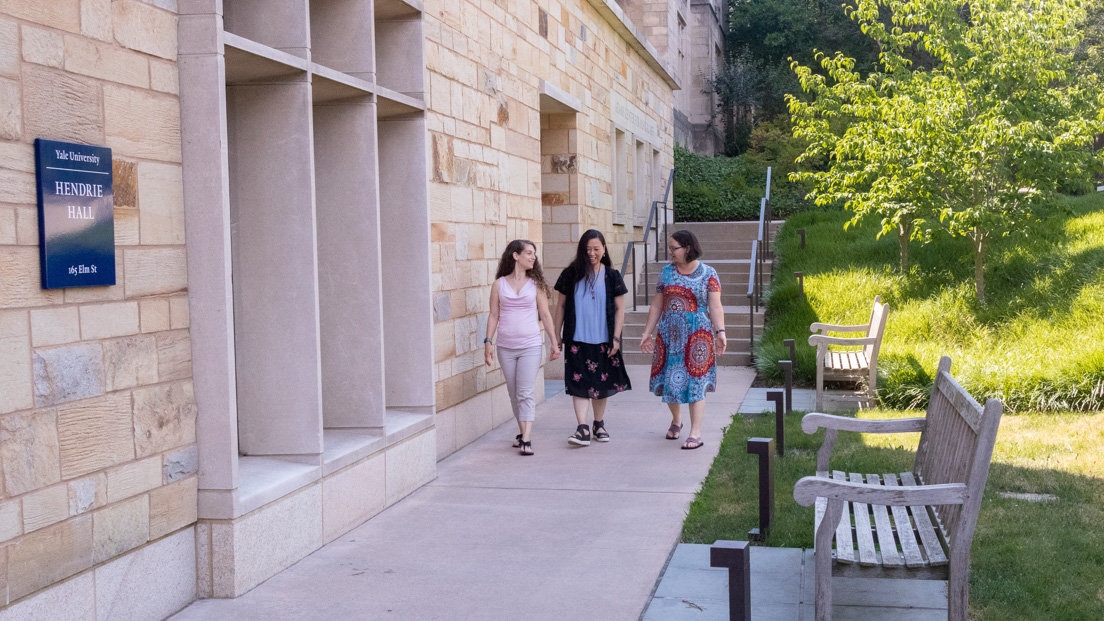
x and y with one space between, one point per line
519 296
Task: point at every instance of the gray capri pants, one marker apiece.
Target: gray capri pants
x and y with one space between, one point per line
520 367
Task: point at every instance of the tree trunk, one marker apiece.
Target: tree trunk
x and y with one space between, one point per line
904 234
979 265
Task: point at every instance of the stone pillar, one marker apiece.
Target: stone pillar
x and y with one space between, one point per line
349 277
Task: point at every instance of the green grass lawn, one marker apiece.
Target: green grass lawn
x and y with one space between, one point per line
1038 343
1029 561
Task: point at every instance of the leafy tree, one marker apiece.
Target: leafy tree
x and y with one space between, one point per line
976 142
737 86
770 32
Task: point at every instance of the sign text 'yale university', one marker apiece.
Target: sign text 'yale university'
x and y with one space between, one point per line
76 214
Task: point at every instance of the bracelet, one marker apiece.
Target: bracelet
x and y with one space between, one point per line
617 339
488 341
716 332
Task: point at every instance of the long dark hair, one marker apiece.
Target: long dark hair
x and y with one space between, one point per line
581 264
507 262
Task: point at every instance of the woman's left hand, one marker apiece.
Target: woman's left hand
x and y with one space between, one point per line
613 350
720 342
555 353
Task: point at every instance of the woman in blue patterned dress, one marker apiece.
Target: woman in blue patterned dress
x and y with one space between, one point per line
687 307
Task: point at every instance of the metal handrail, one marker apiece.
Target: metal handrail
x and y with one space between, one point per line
753 299
630 251
760 249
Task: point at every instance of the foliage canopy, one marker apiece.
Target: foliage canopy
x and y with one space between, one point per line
975 142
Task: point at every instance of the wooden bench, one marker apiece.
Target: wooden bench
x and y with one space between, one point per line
917 524
853 364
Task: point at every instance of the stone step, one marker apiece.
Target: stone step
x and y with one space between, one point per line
734 316
722 266
731 295
729 359
740 331
722 231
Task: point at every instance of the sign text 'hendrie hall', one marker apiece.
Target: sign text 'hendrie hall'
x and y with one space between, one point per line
76 214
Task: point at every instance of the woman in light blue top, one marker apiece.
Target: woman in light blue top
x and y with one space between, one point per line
591 311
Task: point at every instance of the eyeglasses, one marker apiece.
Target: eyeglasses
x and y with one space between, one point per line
674 248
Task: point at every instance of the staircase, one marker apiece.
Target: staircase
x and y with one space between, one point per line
726 247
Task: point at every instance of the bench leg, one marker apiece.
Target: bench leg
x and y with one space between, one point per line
870 385
820 379
958 588
822 559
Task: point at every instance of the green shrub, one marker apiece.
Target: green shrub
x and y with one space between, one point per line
713 189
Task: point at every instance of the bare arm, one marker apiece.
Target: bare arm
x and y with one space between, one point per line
655 309
492 325
546 319
716 317
558 322
618 324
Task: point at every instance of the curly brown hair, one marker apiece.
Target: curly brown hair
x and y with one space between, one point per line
506 264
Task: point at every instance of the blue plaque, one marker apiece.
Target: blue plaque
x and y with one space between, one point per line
76 214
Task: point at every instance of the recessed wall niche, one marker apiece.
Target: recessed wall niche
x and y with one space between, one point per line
304 366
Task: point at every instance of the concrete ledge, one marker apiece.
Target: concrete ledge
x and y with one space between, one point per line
235 555
554 99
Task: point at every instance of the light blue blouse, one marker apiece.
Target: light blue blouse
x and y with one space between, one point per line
590 310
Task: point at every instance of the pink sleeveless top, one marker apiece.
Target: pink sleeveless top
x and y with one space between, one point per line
517 316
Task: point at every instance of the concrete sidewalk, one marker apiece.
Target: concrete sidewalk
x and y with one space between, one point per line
782 589
570 533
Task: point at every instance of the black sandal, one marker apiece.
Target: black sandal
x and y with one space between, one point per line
600 431
517 440
526 447
581 437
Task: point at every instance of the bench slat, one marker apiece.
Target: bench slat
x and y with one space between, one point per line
913 558
932 546
967 406
863 535
845 548
891 557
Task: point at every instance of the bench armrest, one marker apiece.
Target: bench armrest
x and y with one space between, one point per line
827 327
817 339
808 489
815 420
833 424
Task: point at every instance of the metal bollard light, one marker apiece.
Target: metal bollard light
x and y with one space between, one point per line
736 557
801 232
787 369
764 448
779 433
800 282
793 349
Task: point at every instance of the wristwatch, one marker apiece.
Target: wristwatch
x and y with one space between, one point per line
488 341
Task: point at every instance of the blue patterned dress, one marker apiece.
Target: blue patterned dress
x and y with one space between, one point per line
684 363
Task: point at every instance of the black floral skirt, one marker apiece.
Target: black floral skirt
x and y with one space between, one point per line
590 372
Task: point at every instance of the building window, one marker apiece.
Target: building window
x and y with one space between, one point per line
619 164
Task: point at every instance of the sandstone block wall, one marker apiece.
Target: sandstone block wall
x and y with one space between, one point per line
504 165
97 412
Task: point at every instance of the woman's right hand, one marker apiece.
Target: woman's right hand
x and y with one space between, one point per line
488 354
647 343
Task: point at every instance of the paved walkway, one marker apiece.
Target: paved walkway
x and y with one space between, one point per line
782 589
570 533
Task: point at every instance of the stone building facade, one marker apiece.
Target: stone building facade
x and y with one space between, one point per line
310 202
97 409
689 35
